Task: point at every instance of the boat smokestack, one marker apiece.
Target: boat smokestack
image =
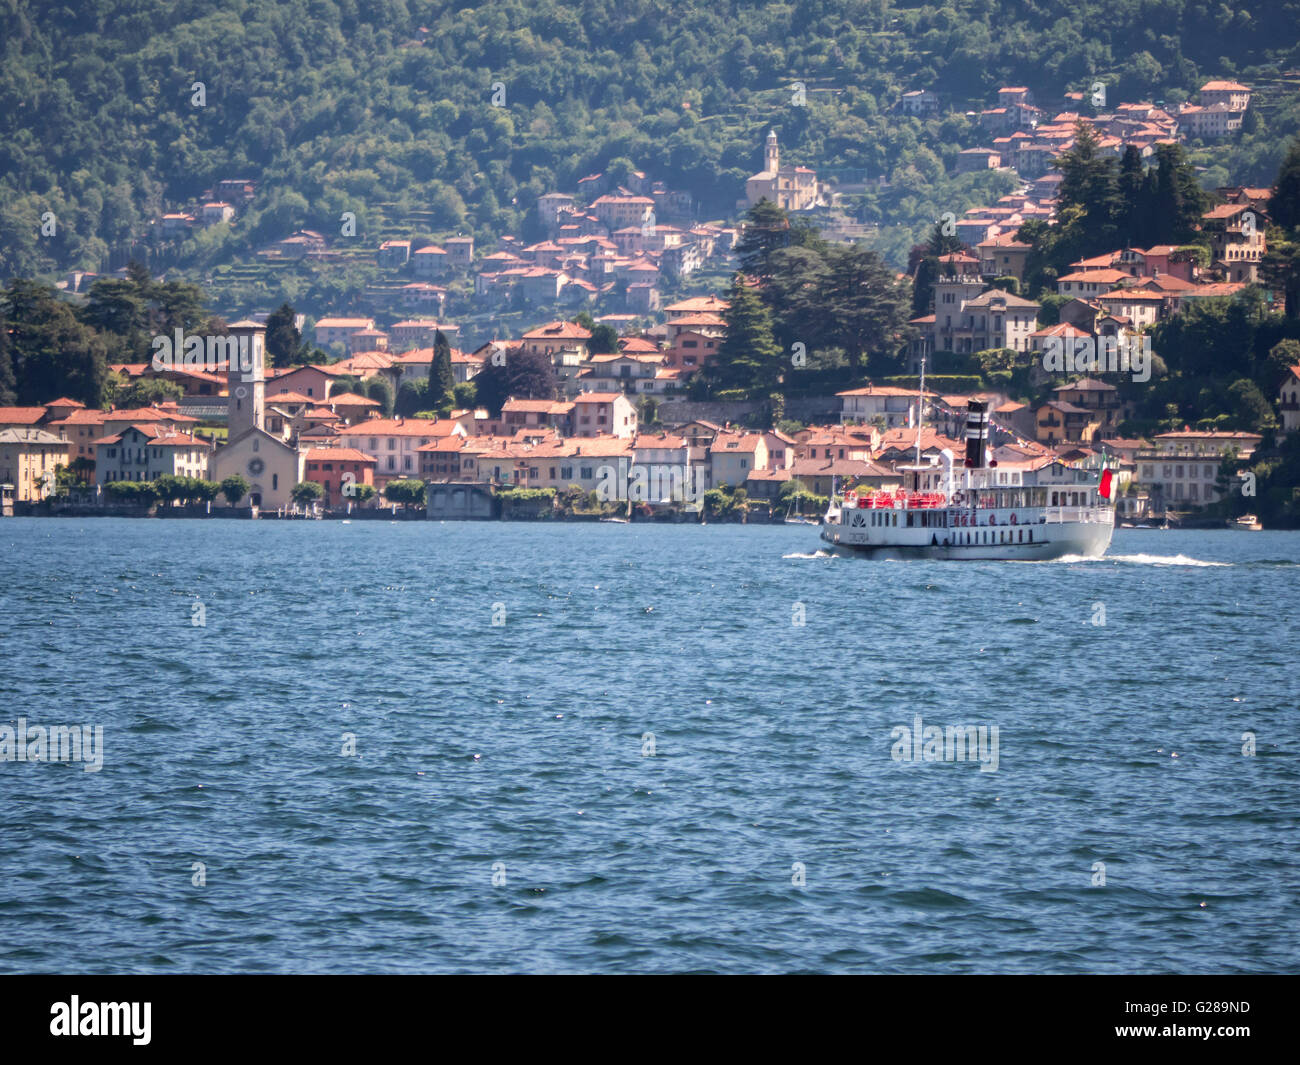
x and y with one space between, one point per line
977 435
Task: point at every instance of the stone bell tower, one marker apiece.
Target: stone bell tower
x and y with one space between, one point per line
771 154
246 379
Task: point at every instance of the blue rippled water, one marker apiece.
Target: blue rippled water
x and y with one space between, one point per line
520 751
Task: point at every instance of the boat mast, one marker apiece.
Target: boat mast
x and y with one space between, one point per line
920 414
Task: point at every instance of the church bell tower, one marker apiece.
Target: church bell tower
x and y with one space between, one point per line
246 379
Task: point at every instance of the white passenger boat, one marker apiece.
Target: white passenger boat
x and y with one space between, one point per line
947 513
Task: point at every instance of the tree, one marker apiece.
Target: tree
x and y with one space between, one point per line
1280 269
940 242
923 287
1249 407
604 339
118 308
125 491
234 488
522 374
53 353
305 493
408 492
1174 199
284 344
442 381
1281 266
1131 190
793 295
170 488
412 398
8 382
145 392
82 468
204 491
378 389
466 395
766 230
748 359
865 305
175 305
1284 205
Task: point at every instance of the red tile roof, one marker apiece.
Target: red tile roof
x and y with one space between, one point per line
339 454
558 330
21 415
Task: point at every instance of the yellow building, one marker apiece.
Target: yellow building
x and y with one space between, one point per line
27 461
792 188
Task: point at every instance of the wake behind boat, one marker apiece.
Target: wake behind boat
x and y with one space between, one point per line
972 514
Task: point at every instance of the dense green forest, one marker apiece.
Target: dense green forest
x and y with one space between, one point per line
384 107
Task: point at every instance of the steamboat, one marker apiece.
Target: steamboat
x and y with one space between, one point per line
944 512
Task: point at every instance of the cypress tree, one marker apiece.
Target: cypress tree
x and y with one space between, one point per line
283 340
1284 207
442 382
8 382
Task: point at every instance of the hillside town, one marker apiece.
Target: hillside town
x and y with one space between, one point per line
618 241
624 409
279 428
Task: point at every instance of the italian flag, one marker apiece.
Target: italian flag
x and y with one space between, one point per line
1103 489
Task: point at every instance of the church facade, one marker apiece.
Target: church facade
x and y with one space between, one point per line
793 188
270 466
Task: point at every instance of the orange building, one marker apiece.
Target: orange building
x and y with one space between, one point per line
333 468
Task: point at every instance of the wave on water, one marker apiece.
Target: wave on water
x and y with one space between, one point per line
815 554
1141 560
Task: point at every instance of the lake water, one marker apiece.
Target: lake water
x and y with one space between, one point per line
647 765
